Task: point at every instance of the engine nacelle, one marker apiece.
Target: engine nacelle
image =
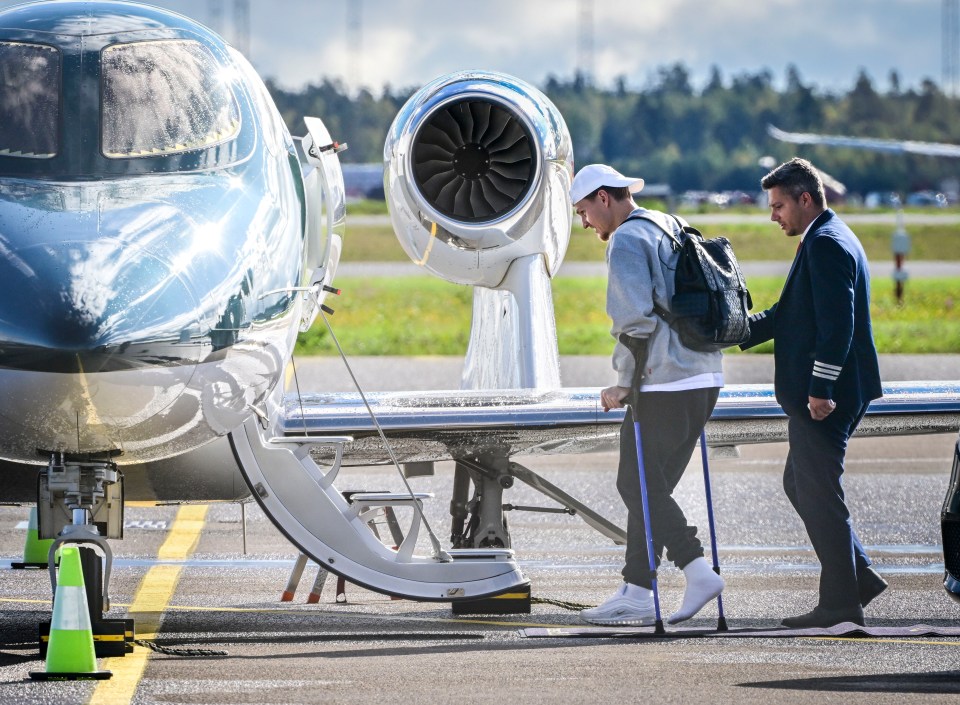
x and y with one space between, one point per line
477 175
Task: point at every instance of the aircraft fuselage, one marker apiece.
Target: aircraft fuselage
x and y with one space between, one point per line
150 199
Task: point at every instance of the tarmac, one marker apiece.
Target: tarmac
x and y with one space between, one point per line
193 578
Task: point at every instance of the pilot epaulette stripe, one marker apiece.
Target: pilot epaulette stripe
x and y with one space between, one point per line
822 369
827 366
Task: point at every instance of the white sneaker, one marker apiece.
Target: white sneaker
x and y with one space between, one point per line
624 608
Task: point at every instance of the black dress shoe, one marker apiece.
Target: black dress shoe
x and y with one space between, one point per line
869 584
821 617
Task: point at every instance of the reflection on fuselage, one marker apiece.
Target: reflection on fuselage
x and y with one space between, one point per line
133 316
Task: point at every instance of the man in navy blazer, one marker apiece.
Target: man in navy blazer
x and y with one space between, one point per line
826 374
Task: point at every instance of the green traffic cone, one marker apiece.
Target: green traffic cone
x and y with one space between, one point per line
35 549
70 654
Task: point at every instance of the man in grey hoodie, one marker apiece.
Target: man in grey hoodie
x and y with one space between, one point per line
670 388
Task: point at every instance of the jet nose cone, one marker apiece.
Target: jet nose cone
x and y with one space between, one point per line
94 306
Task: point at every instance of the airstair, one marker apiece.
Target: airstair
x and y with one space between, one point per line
303 501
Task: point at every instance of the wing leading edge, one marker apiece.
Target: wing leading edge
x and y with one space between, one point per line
933 149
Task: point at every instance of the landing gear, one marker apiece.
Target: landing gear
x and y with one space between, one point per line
81 502
479 522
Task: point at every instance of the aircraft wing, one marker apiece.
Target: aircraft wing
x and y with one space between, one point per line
293 469
444 425
934 149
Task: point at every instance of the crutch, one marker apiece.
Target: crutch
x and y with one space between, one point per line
658 628
638 348
721 620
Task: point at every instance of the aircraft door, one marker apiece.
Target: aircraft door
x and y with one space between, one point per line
326 212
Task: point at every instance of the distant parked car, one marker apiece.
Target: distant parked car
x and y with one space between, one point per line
882 199
950 525
927 198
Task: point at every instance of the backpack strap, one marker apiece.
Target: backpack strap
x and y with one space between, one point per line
663 221
664 313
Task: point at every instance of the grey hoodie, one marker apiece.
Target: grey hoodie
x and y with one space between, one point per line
641 265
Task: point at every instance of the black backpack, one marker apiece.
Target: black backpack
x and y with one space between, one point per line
710 304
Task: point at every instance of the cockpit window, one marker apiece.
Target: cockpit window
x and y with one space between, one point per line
164 97
29 100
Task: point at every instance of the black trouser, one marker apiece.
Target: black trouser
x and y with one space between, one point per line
812 479
670 425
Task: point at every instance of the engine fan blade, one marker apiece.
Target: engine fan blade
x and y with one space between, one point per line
516 170
461 114
511 134
473 160
435 183
442 120
433 134
481 119
446 197
499 121
478 199
461 202
499 201
510 186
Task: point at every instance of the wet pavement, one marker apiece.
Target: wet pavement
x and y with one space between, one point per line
372 648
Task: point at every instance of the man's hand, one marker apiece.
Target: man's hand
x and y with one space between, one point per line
820 408
612 397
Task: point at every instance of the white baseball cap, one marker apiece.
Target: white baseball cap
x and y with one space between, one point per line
593 176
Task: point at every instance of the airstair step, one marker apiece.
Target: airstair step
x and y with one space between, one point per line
481 554
311 440
385 498
340 534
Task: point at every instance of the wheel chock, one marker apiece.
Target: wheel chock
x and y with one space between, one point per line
514 602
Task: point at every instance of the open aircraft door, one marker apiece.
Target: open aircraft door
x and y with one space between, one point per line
326 213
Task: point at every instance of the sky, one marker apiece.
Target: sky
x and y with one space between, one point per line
406 43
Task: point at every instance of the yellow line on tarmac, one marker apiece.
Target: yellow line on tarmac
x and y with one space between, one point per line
312 612
363 615
485 622
149 603
887 640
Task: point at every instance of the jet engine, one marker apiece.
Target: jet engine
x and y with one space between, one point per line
477 176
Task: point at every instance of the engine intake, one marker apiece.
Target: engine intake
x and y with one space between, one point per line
473 160
477 175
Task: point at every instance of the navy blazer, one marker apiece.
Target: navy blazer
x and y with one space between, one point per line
823 338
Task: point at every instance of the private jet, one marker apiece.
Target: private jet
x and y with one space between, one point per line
164 240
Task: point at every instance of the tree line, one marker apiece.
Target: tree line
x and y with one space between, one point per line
709 138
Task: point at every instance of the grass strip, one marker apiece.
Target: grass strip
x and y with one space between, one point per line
427 316
751 242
